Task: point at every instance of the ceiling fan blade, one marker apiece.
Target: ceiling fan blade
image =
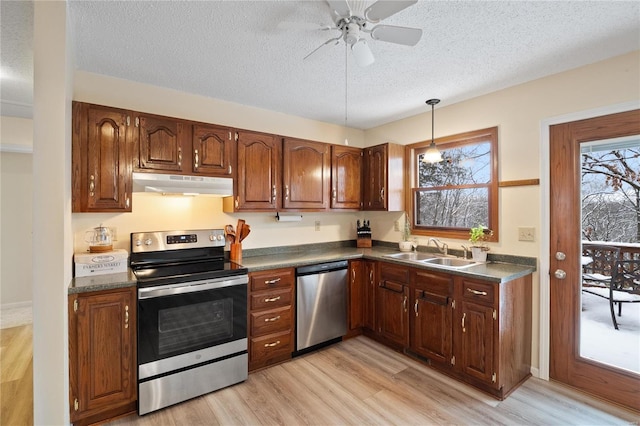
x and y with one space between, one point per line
399 35
362 53
341 7
383 9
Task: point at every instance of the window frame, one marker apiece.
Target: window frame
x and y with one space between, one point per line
411 154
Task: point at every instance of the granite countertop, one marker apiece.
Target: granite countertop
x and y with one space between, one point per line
495 271
102 282
501 269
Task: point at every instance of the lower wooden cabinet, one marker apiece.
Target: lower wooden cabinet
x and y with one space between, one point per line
393 304
102 355
356 295
271 317
370 279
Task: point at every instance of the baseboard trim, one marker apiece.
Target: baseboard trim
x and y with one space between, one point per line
16 305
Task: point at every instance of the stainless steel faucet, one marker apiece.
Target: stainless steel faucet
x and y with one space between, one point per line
444 249
465 251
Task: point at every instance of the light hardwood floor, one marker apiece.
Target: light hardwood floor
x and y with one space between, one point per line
354 382
361 382
16 376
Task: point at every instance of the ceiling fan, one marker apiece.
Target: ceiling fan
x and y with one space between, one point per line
353 19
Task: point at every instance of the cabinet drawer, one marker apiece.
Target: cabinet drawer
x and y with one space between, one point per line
272 346
433 283
271 299
391 272
478 291
272 321
272 279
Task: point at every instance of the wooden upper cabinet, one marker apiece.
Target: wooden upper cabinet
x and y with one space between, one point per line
101 159
161 143
384 178
346 177
306 167
258 173
212 150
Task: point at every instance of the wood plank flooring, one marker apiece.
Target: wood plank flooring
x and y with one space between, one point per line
16 376
360 382
355 382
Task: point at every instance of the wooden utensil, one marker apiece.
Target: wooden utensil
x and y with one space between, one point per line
245 231
239 229
230 233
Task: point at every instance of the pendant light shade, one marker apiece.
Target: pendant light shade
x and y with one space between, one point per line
432 155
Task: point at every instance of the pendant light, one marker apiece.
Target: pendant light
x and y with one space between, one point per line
432 155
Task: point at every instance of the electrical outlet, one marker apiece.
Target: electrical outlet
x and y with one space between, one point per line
396 226
317 225
526 233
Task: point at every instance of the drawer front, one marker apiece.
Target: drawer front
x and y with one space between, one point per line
272 321
272 279
433 283
391 272
271 299
271 346
478 291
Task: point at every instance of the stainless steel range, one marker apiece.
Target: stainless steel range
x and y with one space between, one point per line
192 316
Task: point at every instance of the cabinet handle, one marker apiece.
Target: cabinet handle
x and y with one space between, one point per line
197 158
274 194
237 202
180 157
272 299
415 307
272 319
230 170
92 185
127 202
273 281
286 192
404 304
126 316
370 276
476 292
270 345
353 276
464 315
334 194
382 193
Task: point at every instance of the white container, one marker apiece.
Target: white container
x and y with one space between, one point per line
108 262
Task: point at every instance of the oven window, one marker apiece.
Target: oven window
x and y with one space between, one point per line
185 327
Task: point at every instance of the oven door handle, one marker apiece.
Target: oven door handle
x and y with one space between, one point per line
191 287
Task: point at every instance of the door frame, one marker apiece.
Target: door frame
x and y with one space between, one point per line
545 218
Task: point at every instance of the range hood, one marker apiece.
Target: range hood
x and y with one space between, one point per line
181 184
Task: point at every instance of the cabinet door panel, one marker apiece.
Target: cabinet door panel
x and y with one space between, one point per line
306 168
346 177
477 350
393 313
376 166
101 176
105 350
160 143
432 333
369 308
356 293
212 150
258 182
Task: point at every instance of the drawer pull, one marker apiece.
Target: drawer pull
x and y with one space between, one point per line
273 281
476 292
272 319
270 345
272 299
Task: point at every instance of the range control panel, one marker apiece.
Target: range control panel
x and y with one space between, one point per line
176 240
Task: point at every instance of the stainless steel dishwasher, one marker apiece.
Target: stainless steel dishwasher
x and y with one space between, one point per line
321 304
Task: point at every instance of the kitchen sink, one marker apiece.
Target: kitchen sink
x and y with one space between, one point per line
451 262
414 255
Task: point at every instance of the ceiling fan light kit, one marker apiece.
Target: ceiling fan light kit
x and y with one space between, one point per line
353 23
432 154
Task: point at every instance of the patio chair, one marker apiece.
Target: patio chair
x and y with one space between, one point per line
625 287
599 270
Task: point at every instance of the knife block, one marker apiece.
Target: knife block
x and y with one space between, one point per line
235 252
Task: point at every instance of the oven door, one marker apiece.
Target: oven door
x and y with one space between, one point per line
187 324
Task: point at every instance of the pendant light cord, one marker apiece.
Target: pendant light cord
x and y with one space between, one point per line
346 98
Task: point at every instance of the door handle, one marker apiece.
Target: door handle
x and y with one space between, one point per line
560 274
560 255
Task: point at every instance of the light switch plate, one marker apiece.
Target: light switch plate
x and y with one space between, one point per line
526 233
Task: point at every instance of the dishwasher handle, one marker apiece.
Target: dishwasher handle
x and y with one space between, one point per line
322 268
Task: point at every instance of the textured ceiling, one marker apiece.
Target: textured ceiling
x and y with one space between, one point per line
236 51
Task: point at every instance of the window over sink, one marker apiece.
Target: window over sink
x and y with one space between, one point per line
460 192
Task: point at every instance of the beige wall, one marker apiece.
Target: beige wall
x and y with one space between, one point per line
16 212
16 134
